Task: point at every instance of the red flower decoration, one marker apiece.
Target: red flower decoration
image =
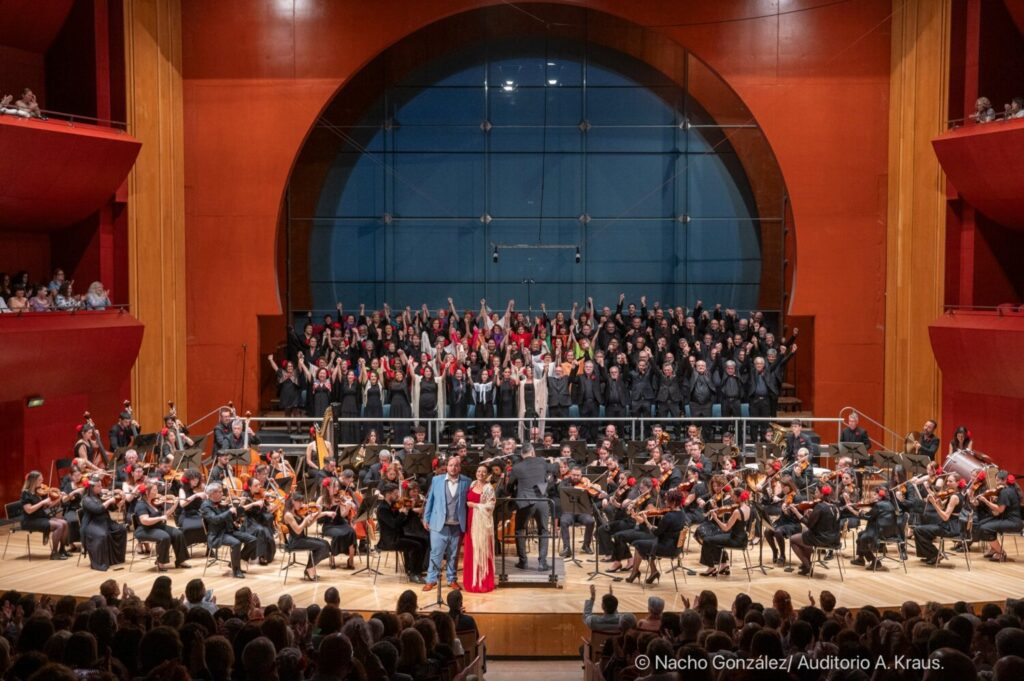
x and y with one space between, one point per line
630 481
962 484
163 432
433 463
727 489
383 468
78 428
336 325
938 471
128 469
326 483
826 490
312 430
655 482
245 487
1011 479
881 493
744 495
87 483
141 489
405 484
700 466
776 465
982 476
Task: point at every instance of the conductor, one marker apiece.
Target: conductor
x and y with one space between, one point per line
530 477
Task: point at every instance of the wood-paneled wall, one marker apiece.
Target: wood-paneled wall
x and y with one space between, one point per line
917 210
156 205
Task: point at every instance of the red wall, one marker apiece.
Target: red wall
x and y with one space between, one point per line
817 82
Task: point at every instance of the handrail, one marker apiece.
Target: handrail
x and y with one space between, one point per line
122 308
1002 308
897 438
69 118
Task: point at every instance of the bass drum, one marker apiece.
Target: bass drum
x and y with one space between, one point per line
964 463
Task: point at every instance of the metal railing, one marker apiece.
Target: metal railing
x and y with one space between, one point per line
123 308
897 439
63 116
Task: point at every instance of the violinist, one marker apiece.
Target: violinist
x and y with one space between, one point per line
220 519
669 476
151 513
1005 514
822 523
698 460
105 540
297 518
717 492
616 476
880 516
567 519
336 497
802 470
640 499
221 469
257 505
939 518
618 519
38 504
787 524
729 533
370 476
122 472
393 519
665 538
191 495
693 496
849 497
72 489
392 473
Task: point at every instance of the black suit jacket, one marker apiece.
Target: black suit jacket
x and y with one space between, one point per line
219 522
392 525
531 478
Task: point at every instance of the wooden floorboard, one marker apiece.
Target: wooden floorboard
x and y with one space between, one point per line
536 621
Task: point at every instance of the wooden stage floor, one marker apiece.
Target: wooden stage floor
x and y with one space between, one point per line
535 621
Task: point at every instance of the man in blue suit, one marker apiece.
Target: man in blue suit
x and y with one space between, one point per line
445 516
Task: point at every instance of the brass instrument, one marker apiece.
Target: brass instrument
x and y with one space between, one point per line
663 438
779 434
911 442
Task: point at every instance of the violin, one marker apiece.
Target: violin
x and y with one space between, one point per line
53 493
723 510
807 505
591 488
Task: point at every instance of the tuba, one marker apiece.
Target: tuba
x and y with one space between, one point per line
778 434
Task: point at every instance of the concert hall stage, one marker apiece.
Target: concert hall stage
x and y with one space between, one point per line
539 621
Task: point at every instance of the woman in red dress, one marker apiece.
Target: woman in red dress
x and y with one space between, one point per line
478 554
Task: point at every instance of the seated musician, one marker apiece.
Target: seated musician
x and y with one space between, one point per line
393 519
151 513
124 431
221 468
939 518
240 437
297 518
131 459
852 432
492 445
37 506
567 519
848 498
328 472
370 475
881 524
105 539
257 506
392 473
665 538
640 497
191 494
337 528
697 459
787 523
802 471
72 487
220 516
822 523
1005 514
89 454
669 476
694 497
171 442
618 520
797 440
731 533
716 493
280 469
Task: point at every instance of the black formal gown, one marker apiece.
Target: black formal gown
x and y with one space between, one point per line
401 408
351 398
106 541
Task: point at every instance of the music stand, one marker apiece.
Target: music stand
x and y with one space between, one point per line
766 451
675 448
419 464
425 447
636 449
916 464
716 450
888 461
857 452
648 469
579 450
577 502
144 443
363 515
188 458
547 452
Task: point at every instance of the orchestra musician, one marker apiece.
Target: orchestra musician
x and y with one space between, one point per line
370 476
665 538
336 497
171 443
394 519
822 523
222 431
151 513
124 431
788 522
221 525
928 443
123 472
961 440
881 524
852 432
669 476
89 454
849 497
191 495
575 480
105 539
797 440
298 516
730 533
279 468
257 505
1005 518
939 518
38 507
221 468
698 460
72 489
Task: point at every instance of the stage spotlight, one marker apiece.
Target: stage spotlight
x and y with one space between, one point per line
494 255
577 255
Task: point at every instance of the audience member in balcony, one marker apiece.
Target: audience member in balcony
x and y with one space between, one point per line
57 281
983 111
18 302
29 104
97 297
7 107
65 300
3 306
40 302
5 286
1015 109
